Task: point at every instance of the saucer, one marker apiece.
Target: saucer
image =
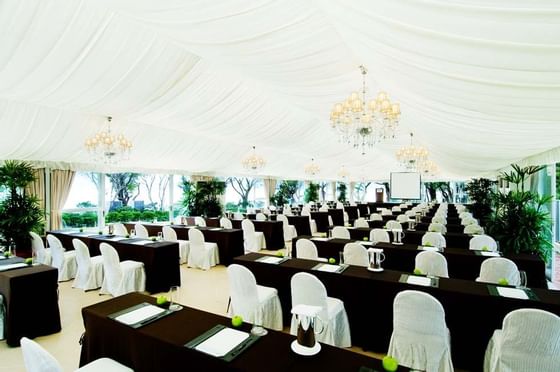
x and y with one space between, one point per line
303 350
375 270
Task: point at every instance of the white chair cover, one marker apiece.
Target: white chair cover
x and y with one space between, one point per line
255 303
37 359
528 341
464 214
473 229
202 255
375 217
432 263
437 227
90 269
435 239
420 338
252 240
469 221
308 290
287 211
261 217
356 254
402 218
483 243
495 268
199 221
345 217
120 277
324 208
340 232
339 205
396 209
410 214
226 223
379 235
439 219
170 235
238 216
120 229
43 254
140 231
361 222
307 250
65 262
2 317
393 225
386 212
290 231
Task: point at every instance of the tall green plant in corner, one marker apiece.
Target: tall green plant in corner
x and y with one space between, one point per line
311 193
480 193
19 212
519 220
341 192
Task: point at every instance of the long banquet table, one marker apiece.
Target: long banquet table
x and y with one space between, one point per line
161 258
31 301
321 220
461 263
159 346
472 313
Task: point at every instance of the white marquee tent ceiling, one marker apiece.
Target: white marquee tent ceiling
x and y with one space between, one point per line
195 84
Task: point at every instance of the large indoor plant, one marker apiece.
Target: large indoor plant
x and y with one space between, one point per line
311 193
519 220
19 213
203 198
480 191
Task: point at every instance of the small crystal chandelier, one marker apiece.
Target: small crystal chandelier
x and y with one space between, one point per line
428 168
412 156
253 162
361 123
107 147
312 168
343 173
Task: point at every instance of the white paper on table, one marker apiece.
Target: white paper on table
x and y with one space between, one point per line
512 293
321 239
328 268
215 229
427 248
491 254
142 242
222 342
117 238
140 314
419 280
12 266
88 235
271 260
365 242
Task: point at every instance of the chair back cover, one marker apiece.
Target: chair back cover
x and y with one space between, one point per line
396 209
38 247
243 291
436 239
432 263
402 218
495 268
361 222
141 231
111 267
473 229
120 229
379 235
226 223
393 225
356 254
340 232
306 249
196 238
37 359
287 211
83 259
57 251
238 216
251 242
169 234
324 208
386 212
375 217
479 242
261 217
439 219
287 230
437 227
339 205
469 221
199 221
308 290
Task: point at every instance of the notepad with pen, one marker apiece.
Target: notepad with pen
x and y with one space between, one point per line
139 315
222 342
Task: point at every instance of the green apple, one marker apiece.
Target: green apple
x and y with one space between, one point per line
485 248
503 281
127 236
332 260
29 261
154 239
365 239
7 254
417 271
100 232
280 254
161 300
428 244
236 321
81 229
390 364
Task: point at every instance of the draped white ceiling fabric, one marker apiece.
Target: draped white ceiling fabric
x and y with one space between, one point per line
195 84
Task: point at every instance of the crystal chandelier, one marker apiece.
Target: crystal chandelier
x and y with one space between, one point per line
253 162
412 156
343 173
361 123
312 168
428 168
108 147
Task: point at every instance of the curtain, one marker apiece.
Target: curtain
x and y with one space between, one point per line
37 187
61 182
269 188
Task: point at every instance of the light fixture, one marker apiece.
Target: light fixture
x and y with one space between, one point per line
108 147
412 156
343 173
428 168
253 162
361 123
312 168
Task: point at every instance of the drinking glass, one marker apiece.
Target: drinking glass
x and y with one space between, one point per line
160 235
522 279
340 257
173 294
257 328
132 233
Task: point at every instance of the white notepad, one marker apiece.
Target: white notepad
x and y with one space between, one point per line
433 249
117 238
142 242
512 293
321 239
365 242
271 260
12 266
329 268
491 254
222 342
140 314
419 280
215 229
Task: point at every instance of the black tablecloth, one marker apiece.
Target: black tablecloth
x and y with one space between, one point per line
273 232
472 314
364 210
158 346
322 221
455 240
337 216
161 259
352 213
301 223
31 300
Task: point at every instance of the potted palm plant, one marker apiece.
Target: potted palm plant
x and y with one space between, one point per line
19 212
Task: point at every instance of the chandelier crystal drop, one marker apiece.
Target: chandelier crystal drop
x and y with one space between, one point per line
411 157
312 168
361 123
107 146
253 162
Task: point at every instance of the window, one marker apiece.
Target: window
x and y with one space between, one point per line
80 209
